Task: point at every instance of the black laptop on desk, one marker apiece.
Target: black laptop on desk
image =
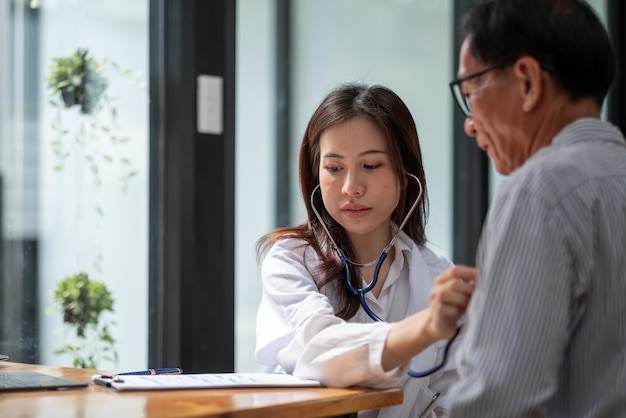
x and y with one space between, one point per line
20 381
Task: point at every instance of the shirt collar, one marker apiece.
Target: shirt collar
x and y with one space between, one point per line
588 129
402 257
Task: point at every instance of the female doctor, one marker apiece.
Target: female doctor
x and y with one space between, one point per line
353 296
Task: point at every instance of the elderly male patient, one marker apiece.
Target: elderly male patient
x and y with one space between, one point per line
546 328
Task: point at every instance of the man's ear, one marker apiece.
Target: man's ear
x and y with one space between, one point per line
532 85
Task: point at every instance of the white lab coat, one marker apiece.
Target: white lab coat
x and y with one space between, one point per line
298 333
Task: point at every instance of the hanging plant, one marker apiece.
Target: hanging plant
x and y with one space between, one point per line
79 81
82 302
86 123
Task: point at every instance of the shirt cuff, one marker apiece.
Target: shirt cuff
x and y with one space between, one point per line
377 344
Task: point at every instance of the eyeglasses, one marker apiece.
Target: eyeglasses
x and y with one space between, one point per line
462 99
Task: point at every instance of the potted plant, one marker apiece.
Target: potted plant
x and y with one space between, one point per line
82 302
79 81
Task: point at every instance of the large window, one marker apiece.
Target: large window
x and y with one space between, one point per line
73 175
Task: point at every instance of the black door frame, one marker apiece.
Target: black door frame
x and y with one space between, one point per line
192 188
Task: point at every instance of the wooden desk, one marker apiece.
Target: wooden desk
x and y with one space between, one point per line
96 401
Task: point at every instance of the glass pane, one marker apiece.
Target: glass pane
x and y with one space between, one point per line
74 173
255 162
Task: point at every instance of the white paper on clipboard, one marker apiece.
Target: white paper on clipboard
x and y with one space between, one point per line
205 381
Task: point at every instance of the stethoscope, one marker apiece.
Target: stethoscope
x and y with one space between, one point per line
362 291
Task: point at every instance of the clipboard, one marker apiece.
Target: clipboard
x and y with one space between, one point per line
203 381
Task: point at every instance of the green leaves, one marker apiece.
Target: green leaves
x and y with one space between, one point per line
79 81
82 302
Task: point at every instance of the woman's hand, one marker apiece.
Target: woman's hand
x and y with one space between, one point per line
449 298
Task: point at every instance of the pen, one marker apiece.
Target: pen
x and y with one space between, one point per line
431 405
167 370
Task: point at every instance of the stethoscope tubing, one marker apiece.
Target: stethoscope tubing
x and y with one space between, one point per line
361 292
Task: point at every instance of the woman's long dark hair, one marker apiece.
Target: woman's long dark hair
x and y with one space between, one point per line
385 109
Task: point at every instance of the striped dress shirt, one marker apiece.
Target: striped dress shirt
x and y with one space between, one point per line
546 330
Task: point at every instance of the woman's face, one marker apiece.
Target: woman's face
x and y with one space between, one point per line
358 182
